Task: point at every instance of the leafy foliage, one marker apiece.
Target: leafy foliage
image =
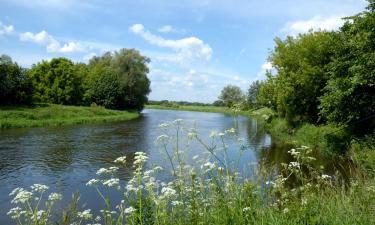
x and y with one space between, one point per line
301 65
56 82
15 87
231 95
119 80
252 94
350 93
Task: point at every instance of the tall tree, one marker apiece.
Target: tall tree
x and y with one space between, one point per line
350 93
301 64
231 95
15 87
119 80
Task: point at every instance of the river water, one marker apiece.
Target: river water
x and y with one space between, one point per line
65 158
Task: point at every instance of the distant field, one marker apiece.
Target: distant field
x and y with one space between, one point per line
56 115
192 108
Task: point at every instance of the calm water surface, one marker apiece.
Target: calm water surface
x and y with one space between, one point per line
65 158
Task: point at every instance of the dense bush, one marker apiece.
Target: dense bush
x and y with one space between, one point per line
15 86
56 81
350 93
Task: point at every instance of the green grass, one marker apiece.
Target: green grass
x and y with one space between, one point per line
57 115
214 109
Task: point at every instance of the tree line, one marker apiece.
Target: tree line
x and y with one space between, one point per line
115 80
320 77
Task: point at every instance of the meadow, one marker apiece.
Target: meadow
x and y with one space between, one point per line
57 115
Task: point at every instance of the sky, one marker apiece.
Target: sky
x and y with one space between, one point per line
196 47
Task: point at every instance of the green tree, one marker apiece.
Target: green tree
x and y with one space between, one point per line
350 93
119 80
231 95
15 87
301 64
252 94
267 95
57 82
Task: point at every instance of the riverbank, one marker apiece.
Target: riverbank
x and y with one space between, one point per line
58 115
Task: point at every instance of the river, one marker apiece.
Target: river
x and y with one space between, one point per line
65 158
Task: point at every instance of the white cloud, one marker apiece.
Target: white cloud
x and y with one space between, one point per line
170 29
267 66
52 45
72 47
315 23
6 30
188 49
165 29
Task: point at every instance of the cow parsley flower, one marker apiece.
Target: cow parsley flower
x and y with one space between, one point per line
39 188
111 182
168 192
54 197
92 182
121 160
140 158
325 176
22 197
130 210
86 214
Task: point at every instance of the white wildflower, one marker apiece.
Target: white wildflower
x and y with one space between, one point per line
162 138
195 157
39 188
140 158
191 135
214 134
39 214
293 152
54 197
111 182
103 171
294 165
130 210
164 125
178 121
168 192
246 209
22 197
176 203
325 176
98 218
158 168
15 191
209 166
92 182
86 214
286 210
121 159
14 212
230 131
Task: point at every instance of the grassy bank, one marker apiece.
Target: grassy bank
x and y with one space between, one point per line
56 115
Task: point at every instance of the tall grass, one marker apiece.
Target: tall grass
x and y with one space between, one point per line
56 115
210 190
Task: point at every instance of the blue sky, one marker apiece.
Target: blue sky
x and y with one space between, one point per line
196 46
